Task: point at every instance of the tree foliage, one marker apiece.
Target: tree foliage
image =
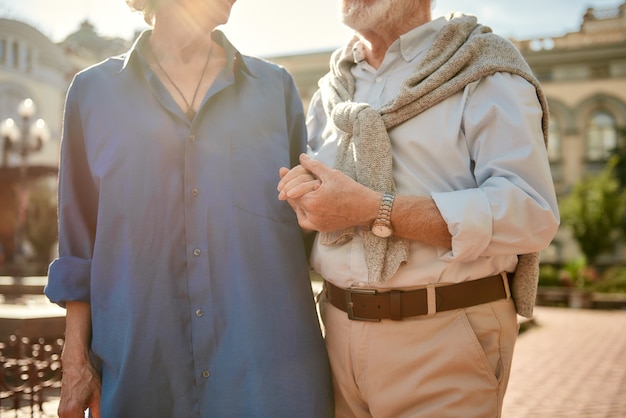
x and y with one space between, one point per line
41 221
620 153
595 210
620 166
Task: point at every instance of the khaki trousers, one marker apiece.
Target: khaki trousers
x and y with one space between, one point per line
453 364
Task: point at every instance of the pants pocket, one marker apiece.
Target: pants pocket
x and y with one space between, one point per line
493 328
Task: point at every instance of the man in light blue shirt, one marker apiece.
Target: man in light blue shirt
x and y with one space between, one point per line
428 182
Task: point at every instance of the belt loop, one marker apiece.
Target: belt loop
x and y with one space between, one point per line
431 297
395 305
505 282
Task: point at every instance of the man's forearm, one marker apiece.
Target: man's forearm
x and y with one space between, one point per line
417 218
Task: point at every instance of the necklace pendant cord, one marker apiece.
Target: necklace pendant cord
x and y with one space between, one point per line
190 112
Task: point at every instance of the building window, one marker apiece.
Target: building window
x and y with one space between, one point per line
29 60
601 136
3 51
600 71
554 140
15 52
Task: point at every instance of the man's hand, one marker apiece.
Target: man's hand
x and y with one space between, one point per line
325 199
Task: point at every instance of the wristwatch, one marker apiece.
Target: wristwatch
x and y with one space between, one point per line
382 225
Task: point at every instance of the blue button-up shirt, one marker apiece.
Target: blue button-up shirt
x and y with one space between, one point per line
171 229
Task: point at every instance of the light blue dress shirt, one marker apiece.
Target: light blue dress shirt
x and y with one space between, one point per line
171 229
479 154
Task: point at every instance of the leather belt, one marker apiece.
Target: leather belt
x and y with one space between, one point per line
372 305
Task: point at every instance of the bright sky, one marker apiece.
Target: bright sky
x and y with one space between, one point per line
276 27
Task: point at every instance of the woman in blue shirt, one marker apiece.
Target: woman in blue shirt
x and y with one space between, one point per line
184 277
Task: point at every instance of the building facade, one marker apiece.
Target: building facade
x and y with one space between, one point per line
583 74
33 67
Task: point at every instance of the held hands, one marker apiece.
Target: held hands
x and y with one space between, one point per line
325 199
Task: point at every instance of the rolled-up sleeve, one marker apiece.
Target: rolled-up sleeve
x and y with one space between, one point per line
470 234
68 280
69 274
513 209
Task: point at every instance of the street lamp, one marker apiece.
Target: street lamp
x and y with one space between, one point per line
22 140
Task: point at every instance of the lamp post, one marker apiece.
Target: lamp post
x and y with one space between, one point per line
23 140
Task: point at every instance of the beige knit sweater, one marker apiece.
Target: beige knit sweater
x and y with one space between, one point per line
463 52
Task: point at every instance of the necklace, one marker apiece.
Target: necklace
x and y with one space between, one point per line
189 112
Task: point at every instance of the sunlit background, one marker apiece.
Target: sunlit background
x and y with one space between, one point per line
571 364
274 27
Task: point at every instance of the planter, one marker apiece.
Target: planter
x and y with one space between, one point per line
609 300
580 298
552 296
571 297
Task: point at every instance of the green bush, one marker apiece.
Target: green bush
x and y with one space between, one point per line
594 211
613 280
549 276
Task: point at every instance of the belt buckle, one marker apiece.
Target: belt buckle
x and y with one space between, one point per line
350 304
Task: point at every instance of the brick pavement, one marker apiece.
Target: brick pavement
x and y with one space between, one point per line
569 363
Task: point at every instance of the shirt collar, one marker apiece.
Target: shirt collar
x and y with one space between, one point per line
234 59
420 39
135 48
410 44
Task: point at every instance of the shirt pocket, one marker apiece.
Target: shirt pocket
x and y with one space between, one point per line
254 174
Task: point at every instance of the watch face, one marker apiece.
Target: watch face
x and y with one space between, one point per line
381 230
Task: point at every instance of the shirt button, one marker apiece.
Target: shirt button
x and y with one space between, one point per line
197 252
195 192
379 79
192 138
206 374
199 313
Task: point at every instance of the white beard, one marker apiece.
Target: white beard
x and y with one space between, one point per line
358 15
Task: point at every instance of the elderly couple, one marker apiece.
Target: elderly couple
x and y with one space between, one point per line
420 176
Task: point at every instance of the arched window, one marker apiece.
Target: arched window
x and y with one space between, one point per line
28 60
601 136
15 54
3 51
554 140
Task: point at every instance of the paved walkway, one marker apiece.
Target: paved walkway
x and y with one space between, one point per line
569 363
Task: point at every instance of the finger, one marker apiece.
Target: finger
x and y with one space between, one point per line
282 171
95 410
71 404
289 175
317 168
95 405
305 223
297 186
302 189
